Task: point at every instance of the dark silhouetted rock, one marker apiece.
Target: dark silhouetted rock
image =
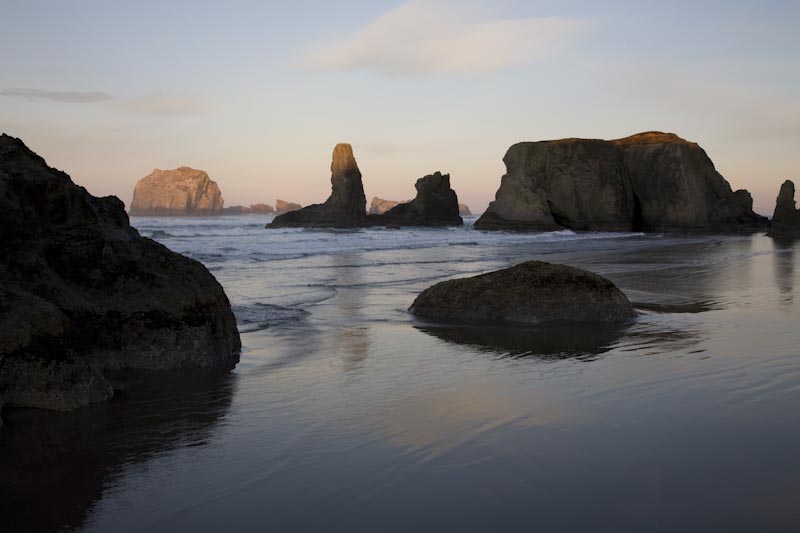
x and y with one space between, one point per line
346 207
529 293
81 293
786 220
648 182
463 210
282 207
745 198
180 192
436 204
379 206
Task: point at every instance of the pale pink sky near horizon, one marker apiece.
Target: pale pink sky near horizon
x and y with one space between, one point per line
258 93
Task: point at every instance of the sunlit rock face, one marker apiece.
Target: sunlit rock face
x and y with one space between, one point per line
379 206
282 207
346 207
647 182
532 293
183 191
786 220
463 210
254 209
82 293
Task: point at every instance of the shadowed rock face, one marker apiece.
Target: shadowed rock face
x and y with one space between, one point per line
786 220
180 192
346 207
282 207
436 204
529 293
81 293
648 182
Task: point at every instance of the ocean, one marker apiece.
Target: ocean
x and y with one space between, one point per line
348 414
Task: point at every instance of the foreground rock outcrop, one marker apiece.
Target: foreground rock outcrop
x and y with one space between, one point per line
82 294
436 204
647 182
282 207
183 191
345 208
529 293
786 220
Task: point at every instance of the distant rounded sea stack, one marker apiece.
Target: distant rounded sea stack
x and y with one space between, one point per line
282 207
379 206
82 293
183 191
463 210
786 220
346 207
531 293
647 182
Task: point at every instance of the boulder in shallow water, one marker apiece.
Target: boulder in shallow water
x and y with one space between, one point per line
529 293
183 191
82 293
786 220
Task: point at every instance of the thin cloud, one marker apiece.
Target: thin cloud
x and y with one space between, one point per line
70 97
422 38
162 104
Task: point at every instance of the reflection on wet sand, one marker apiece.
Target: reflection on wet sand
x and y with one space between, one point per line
349 303
64 462
783 261
552 342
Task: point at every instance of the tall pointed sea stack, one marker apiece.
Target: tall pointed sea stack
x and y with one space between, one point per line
652 181
786 220
346 207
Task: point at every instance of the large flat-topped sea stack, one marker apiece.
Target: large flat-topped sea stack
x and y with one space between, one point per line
183 191
82 293
786 220
346 207
379 206
647 182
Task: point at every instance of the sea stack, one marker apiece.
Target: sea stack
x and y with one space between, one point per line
436 204
82 293
183 191
282 207
647 182
379 206
786 220
531 293
464 211
346 207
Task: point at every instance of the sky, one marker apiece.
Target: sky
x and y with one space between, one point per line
257 93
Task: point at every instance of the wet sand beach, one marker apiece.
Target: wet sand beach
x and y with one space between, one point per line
348 414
